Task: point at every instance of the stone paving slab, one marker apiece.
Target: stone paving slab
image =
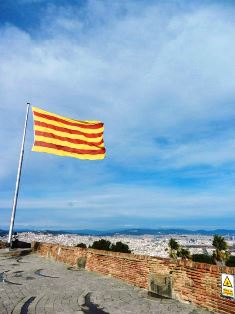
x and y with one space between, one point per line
31 284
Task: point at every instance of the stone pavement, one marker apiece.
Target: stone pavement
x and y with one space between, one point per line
32 284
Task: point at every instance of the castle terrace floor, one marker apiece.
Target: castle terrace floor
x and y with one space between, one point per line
32 284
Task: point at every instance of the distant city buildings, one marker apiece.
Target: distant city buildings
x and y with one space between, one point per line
144 245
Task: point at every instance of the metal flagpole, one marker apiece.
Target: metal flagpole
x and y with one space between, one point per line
18 178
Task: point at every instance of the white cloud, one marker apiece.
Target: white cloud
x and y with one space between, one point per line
162 81
127 203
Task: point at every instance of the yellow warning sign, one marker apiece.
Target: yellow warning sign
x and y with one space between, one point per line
227 282
227 286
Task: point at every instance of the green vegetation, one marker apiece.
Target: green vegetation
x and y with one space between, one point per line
106 245
231 261
208 259
202 258
175 250
101 244
221 254
120 247
81 245
184 253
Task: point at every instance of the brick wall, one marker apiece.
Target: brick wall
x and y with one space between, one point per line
197 283
65 254
128 267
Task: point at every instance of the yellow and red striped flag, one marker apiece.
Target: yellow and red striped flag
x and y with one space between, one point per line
62 136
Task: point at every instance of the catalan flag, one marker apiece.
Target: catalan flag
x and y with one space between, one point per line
62 136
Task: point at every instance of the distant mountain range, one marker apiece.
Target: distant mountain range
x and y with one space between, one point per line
136 231
176 231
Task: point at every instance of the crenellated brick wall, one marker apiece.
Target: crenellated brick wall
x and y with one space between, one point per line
197 283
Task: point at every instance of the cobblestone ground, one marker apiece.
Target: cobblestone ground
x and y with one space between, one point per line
32 284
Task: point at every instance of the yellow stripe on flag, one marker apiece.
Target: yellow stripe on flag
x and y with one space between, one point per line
66 154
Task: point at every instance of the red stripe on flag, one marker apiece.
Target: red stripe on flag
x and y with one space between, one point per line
70 149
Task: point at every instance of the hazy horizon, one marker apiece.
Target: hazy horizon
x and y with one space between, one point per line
132 230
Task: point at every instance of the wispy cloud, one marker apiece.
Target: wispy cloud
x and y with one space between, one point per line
161 77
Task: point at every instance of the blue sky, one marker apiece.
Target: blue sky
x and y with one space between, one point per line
159 74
